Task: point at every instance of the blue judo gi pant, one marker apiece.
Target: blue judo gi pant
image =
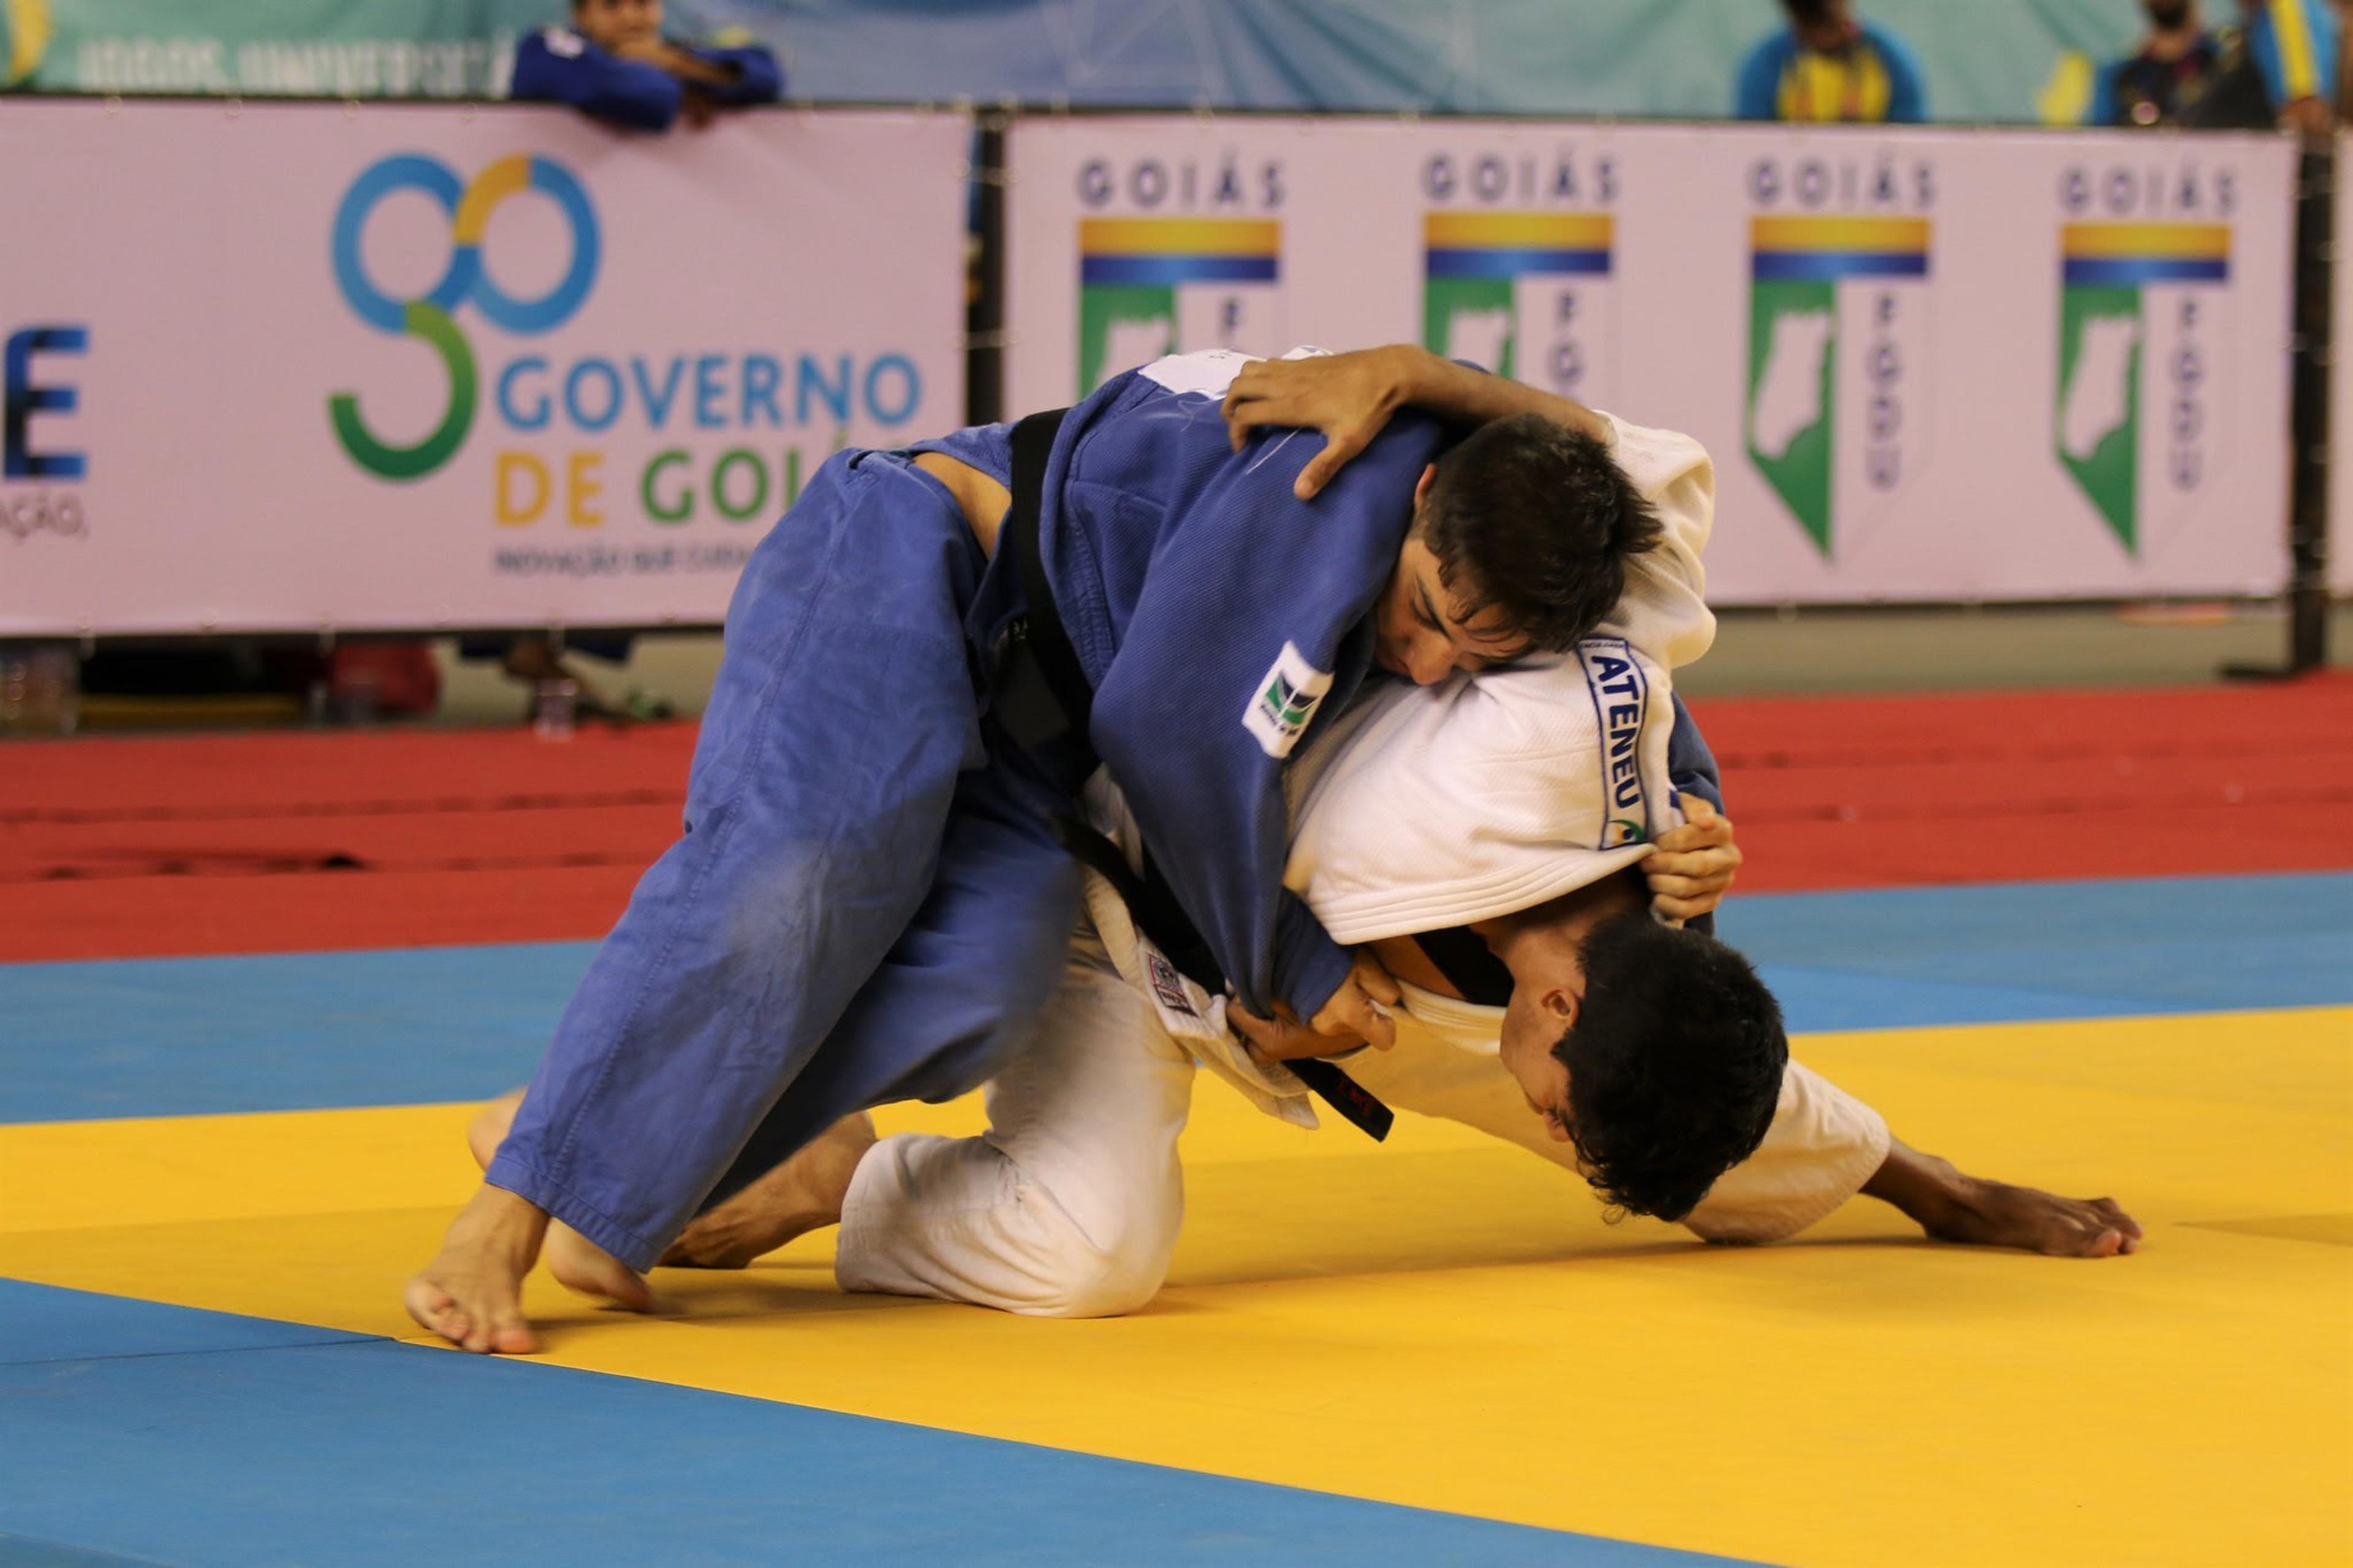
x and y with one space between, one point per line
869 902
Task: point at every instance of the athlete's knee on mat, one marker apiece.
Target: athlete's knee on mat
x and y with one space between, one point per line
1113 1262
963 1218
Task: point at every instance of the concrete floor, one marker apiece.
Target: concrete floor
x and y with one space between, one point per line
1756 652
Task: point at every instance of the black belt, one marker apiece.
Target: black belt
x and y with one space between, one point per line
1043 700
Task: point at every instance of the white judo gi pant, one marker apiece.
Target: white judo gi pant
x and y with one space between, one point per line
1069 1205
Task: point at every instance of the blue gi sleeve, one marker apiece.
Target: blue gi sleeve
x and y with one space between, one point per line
1691 764
1254 607
558 65
1756 92
758 78
2293 43
1908 94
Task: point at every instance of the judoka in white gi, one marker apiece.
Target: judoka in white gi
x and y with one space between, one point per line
1525 806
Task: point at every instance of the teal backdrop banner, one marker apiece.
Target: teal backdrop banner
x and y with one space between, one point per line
1985 60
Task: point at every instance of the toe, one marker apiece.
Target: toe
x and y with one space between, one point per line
435 1309
514 1337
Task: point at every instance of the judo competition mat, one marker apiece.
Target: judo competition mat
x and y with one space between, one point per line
2100 942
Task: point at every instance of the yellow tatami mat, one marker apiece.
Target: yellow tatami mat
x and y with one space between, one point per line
1448 1323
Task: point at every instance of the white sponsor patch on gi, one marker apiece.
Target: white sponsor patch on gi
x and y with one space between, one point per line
1284 703
1622 702
1208 372
1169 986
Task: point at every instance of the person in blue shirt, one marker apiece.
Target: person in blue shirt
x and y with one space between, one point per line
871 899
1827 67
2277 66
614 64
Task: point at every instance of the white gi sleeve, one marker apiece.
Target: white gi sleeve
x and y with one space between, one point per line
1664 610
1824 1143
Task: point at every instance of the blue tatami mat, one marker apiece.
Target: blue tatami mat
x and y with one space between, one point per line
309 1031
2009 951
375 1452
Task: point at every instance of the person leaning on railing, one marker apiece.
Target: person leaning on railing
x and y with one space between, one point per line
2276 64
1829 65
613 63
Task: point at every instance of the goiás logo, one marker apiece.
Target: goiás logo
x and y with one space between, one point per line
1517 250
1177 255
696 424
1838 301
2144 303
40 474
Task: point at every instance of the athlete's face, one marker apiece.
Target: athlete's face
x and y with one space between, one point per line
614 25
1538 1015
1419 631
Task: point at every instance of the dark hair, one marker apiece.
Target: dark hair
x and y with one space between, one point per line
1533 521
1810 13
1674 1064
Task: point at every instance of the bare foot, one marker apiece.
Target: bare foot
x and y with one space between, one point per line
803 1194
471 1295
577 1263
581 1265
489 1129
1995 1214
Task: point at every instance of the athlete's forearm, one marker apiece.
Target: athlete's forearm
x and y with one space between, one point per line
1439 385
1929 1190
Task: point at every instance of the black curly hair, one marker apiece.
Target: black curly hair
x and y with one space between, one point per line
1535 522
1674 1064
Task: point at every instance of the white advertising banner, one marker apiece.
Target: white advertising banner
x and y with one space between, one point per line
298 366
1931 366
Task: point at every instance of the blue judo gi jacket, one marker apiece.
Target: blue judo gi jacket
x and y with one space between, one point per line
556 65
1220 621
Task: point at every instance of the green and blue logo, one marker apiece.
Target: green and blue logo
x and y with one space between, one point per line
1807 274
2132 295
1509 291
432 316
1155 286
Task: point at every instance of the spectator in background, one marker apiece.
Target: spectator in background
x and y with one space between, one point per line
2277 66
613 63
1827 66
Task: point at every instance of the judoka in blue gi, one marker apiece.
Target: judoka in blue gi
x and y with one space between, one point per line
614 64
870 902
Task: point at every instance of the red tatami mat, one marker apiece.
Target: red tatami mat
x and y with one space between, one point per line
276 842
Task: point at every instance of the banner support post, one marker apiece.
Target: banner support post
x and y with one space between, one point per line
984 380
2312 363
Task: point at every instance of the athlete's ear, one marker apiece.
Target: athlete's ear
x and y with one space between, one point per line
1560 1005
1421 488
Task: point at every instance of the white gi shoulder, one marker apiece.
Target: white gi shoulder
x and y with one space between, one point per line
1664 611
1205 372
1209 372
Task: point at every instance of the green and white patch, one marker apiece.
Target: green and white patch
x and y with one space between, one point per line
1284 702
